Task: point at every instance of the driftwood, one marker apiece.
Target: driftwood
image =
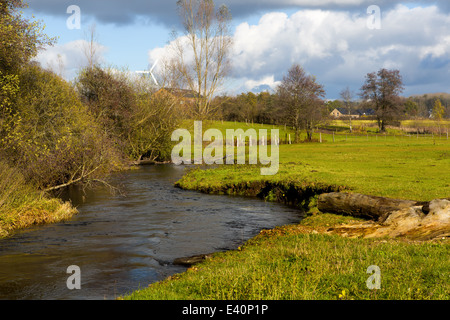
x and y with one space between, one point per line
359 205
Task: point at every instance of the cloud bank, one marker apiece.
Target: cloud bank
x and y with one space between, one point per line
120 12
339 48
329 38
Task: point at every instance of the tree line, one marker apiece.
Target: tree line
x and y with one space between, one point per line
298 102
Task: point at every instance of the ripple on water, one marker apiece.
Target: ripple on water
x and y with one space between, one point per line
125 241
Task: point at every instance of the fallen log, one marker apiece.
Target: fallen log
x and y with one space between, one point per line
359 205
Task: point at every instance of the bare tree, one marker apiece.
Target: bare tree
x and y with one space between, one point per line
382 90
90 47
207 41
347 97
299 98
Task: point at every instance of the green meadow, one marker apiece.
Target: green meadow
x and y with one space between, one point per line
300 261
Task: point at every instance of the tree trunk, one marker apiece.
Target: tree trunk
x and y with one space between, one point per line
359 205
297 135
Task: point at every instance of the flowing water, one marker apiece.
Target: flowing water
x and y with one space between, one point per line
123 242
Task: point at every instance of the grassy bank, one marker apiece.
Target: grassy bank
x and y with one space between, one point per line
21 206
299 262
303 261
399 168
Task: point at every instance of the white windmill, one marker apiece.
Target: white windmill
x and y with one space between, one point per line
150 72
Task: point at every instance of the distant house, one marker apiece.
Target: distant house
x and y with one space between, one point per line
365 112
341 113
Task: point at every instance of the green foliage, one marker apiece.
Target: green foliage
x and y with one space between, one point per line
438 110
50 135
411 108
138 120
20 38
248 107
22 206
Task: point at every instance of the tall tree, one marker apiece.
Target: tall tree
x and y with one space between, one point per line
299 97
382 90
207 39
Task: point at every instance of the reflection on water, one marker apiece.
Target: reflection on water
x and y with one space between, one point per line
126 241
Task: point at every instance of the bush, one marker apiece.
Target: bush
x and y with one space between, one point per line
51 136
22 206
138 119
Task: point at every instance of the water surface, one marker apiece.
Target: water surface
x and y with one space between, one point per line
123 242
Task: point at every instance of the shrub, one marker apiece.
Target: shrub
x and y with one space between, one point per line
52 136
139 120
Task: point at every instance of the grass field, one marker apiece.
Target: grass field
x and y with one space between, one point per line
407 167
300 261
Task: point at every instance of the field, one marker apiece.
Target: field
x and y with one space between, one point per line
399 166
301 261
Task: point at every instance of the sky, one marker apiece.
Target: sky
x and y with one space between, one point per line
337 41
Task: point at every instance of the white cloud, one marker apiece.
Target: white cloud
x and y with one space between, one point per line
67 58
267 80
339 49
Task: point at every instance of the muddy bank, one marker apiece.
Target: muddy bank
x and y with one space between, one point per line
301 195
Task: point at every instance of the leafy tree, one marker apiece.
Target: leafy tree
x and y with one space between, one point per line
438 112
137 119
299 97
110 98
411 108
153 119
51 136
20 38
382 90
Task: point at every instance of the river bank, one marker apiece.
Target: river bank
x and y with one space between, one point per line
314 259
22 206
304 261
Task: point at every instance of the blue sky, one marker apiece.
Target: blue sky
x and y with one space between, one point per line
331 39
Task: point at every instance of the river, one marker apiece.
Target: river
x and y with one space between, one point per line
123 242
